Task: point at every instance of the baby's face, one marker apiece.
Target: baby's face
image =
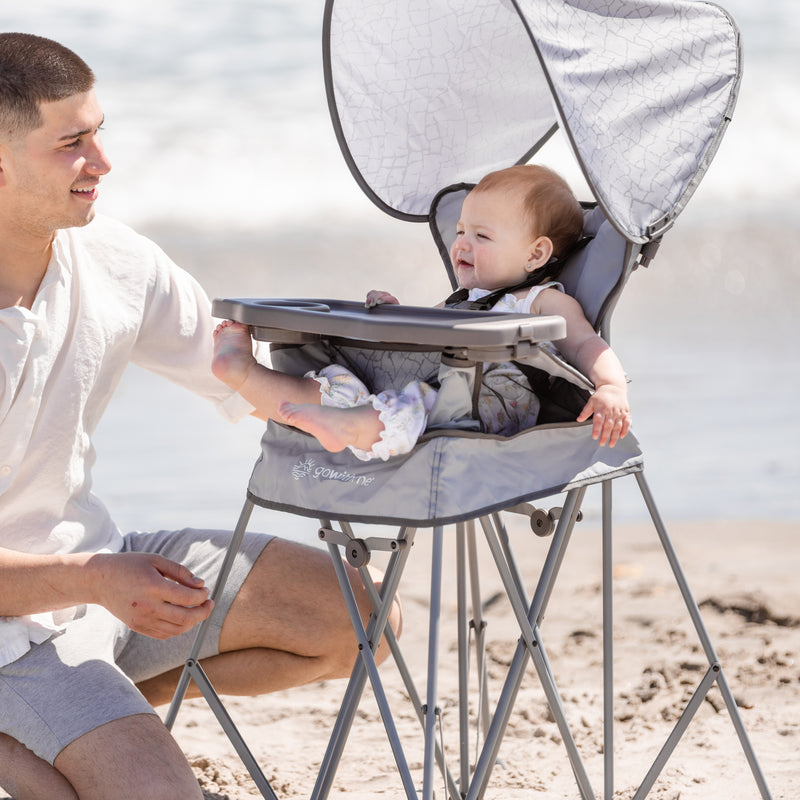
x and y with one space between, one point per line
494 243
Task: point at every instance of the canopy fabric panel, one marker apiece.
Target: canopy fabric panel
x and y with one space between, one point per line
645 90
428 93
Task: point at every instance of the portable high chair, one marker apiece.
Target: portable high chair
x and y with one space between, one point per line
426 97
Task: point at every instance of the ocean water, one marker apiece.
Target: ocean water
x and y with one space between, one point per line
217 126
216 112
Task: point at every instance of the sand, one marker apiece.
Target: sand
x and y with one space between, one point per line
750 600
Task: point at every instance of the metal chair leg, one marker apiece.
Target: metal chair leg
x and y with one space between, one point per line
716 671
359 675
227 564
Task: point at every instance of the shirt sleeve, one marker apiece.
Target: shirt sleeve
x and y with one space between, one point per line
176 336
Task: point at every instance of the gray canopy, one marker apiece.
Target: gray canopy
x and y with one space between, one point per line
429 93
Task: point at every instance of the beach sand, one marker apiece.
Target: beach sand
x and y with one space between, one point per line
750 600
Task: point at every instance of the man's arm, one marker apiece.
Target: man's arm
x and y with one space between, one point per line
149 593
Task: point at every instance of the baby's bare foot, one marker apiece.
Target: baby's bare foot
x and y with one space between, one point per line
335 428
233 353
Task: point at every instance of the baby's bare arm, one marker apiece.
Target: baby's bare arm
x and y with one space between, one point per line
592 356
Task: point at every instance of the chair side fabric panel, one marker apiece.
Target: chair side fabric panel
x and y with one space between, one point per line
446 478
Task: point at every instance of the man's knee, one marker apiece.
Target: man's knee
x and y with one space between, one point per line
396 624
133 758
394 621
25 776
292 601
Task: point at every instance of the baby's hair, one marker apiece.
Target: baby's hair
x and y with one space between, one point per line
35 70
551 208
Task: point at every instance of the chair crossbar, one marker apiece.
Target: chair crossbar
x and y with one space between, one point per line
531 646
365 647
685 718
381 603
198 675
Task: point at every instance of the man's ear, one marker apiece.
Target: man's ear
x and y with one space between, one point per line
540 252
3 157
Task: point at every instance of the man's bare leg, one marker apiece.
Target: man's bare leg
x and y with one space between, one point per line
335 428
25 776
287 626
234 364
133 758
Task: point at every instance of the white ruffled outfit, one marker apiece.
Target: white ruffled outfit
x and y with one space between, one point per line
506 402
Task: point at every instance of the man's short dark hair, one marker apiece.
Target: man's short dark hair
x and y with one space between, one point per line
35 70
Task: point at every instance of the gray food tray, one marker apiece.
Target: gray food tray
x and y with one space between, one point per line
473 333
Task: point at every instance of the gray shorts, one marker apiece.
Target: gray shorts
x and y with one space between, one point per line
86 675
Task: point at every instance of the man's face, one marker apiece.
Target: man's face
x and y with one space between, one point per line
49 177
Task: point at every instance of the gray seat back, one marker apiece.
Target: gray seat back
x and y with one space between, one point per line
594 276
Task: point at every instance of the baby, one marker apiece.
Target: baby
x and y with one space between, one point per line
512 226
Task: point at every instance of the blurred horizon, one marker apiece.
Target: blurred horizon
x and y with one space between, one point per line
217 118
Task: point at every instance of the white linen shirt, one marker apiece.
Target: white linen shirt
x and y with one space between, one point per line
109 297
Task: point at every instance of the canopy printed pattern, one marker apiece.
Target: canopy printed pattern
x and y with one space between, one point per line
428 93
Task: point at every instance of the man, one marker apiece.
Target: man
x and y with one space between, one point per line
85 612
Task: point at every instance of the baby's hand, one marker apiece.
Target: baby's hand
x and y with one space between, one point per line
612 415
377 297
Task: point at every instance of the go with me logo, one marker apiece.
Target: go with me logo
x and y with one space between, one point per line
307 468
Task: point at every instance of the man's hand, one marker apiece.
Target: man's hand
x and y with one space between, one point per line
149 593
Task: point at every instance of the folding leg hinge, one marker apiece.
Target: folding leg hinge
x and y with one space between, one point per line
359 551
543 523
